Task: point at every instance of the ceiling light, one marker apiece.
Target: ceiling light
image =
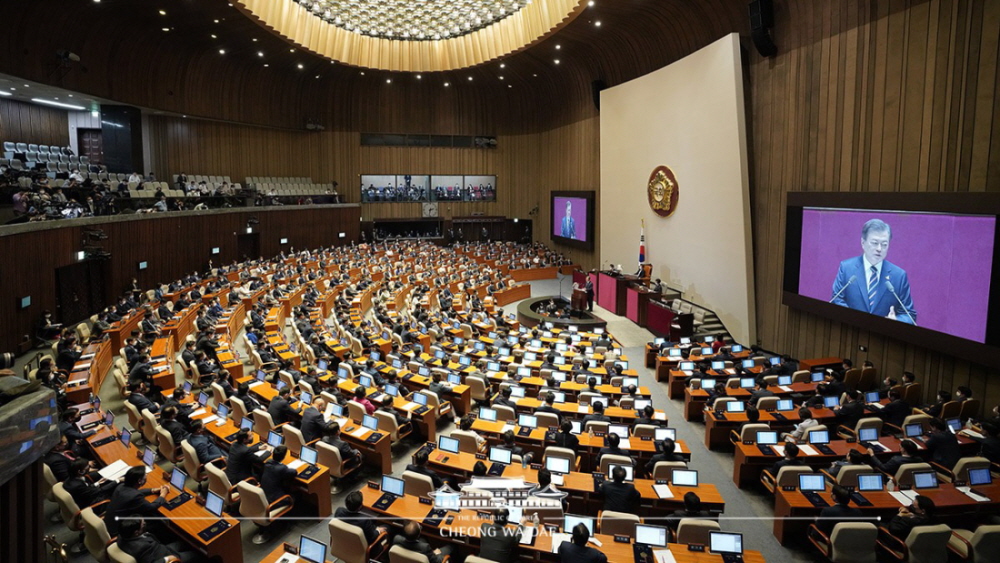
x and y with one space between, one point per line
214 36
503 65
301 66
597 23
558 47
557 61
254 39
388 81
446 84
57 104
266 65
5 93
419 77
409 20
222 51
501 77
470 79
591 3
216 21
260 53
163 12
166 29
362 73
291 50
317 77
70 95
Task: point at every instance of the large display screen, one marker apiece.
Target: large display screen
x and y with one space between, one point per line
916 266
389 188
573 218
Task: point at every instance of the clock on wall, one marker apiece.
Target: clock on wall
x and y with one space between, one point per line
430 209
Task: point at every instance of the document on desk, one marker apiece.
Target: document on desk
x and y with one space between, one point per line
557 479
358 432
527 535
663 491
779 450
903 497
507 428
688 372
410 406
256 383
583 409
677 448
625 444
785 388
557 540
296 464
806 449
115 470
664 556
971 433
659 416
197 413
976 497
208 419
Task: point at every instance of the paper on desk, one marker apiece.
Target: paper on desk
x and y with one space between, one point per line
664 556
971 433
780 450
876 405
663 491
507 428
115 470
806 449
625 444
968 492
255 383
208 419
583 408
659 416
411 405
557 540
901 497
288 558
527 533
785 388
197 412
296 464
557 479
359 432
688 372
677 448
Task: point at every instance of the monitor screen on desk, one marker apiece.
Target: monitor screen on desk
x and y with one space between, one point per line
500 455
674 353
620 429
817 376
517 392
149 456
246 423
393 485
571 520
736 348
628 470
391 389
576 427
487 414
784 380
626 381
559 396
311 550
424 371
335 410
725 542
868 435
812 482
322 365
281 385
687 366
955 424
735 406
640 404
308 455
785 405
420 399
274 439
747 364
655 536
775 360
747 382
925 480
707 383
178 478
202 399
447 444
685 477
767 438
872 397
870 482
558 465
707 351
527 421
913 430
819 437
454 379
685 340
524 371
365 381
493 366
718 366
830 402
370 422
980 476
214 504
559 376
661 434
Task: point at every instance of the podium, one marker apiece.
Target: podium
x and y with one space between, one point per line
611 293
579 300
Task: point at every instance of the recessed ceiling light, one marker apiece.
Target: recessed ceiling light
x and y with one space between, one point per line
71 95
501 77
97 1
558 47
470 79
317 77
5 93
166 29
291 50
163 12
388 81
260 53
254 39
301 66
362 73
591 3
266 65
419 77
503 65
446 84
216 21
222 51
597 23
214 36
535 75
57 104
557 61
26 86
510 85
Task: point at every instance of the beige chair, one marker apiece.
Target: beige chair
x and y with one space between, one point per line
848 475
348 542
442 408
254 506
166 446
923 419
218 483
264 424
981 546
478 388
293 439
194 468
387 423
116 555
867 422
587 398
849 542
466 441
788 476
49 481
218 394
95 535
329 456
549 511
904 475
970 409
801 376
593 426
134 419
611 459
418 484
356 411
924 544
665 469
617 523
149 425
239 410
695 531
546 419
962 468
641 430
504 413
70 513
768 403
399 554
748 433
810 430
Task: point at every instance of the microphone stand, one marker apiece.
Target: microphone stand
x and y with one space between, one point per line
846 285
892 290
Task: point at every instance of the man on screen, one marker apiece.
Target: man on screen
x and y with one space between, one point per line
880 287
568 224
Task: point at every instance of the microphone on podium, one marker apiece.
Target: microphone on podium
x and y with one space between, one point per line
846 285
892 290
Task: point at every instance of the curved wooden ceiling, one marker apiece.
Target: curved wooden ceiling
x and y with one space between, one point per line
527 26
205 58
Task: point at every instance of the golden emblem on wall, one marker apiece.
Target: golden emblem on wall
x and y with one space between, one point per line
662 190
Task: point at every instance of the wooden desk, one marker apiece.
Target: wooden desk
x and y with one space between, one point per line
951 506
511 294
187 519
813 363
122 329
182 323
717 429
88 373
695 399
426 423
529 274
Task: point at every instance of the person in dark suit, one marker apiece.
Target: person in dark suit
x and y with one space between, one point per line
505 400
919 513
280 409
943 397
60 460
313 424
203 445
597 416
169 422
896 411
851 412
990 442
243 394
577 550
74 437
568 227
908 454
791 458
942 445
139 399
277 478
664 452
550 401
880 287
410 539
648 417
692 509
619 496
497 542
144 547
84 491
613 441
332 436
839 512
760 391
419 465
589 288
566 439
129 499
351 514
243 458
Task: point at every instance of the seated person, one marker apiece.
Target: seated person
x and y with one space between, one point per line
351 514
347 453
896 411
313 423
129 499
410 539
565 437
549 406
990 442
807 422
281 410
277 479
935 409
597 416
145 547
419 465
919 513
692 509
359 397
853 457
465 424
84 491
909 453
664 452
942 445
791 458
613 441
647 417
619 496
760 391
504 399
497 542
577 550
839 512
203 445
169 422
243 458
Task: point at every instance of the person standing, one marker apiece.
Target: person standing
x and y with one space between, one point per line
589 288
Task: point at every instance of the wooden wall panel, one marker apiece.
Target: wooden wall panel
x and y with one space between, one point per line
171 244
871 96
32 123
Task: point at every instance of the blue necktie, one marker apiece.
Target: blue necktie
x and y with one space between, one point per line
872 284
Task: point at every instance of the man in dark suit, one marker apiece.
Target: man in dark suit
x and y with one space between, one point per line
549 406
791 458
243 458
692 509
619 496
139 399
169 422
332 436
505 400
896 411
410 539
277 478
919 513
851 412
908 454
313 424
144 547
351 514
60 460
990 442
613 441
83 490
497 542
129 499
419 465
280 409
565 437
942 445
760 391
839 512
880 287
243 394
203 445
664 452
74 437
943 397
597 416
577 550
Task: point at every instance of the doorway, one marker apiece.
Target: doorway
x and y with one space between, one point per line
91 145
79 290
248 246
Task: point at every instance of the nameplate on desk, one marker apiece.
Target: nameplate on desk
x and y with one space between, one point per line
213 530
645 438
373 485
480 456
696 547
788 488
536 466
622 539
599 434
661 481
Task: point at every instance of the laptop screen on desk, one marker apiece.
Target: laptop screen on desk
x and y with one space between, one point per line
725 542
913 430
392 485
735 406
955 424
448 444
812 482
214 504
980 476
718 366
685 477
736 348
870 482
628 470
571 520
311 550
370 422
308 455
655 536
925 480
661 434
500 455
558 465
817 377
620 429
784 380
747 364
527 421
274 439
178 478
420 399
674 352
767 438
687 366
868 435
819 437
785 405
830 402
489 415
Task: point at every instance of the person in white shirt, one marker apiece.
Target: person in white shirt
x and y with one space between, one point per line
800 429
135 178
76 176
